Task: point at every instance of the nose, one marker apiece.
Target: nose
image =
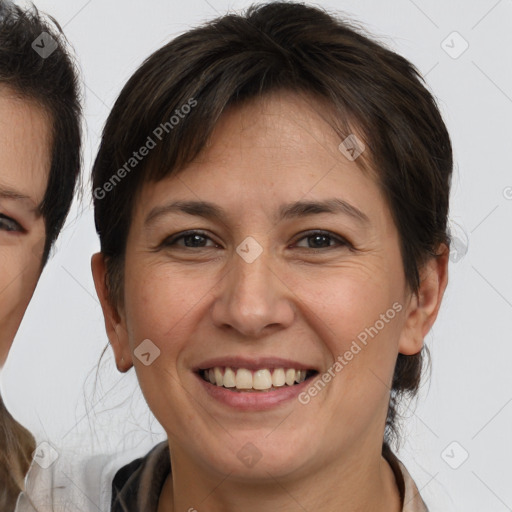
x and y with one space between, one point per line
252 298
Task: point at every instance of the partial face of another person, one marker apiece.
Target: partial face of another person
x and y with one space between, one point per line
25 139
256 281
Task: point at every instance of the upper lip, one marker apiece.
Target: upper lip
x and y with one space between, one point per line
253 363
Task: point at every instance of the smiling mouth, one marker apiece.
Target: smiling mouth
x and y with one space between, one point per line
242 379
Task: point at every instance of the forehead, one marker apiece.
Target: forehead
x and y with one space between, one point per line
25 145
285 124
277 149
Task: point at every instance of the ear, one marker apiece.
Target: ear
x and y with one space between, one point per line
114 322
423 308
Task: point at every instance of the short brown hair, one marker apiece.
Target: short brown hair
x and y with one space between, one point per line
271 47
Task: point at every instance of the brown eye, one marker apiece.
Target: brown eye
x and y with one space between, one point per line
322 240
191 239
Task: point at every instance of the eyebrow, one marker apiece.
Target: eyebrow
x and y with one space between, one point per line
293 210
11 194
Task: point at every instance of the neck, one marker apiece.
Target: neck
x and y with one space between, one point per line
355 484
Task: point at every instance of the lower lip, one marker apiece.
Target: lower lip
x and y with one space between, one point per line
254 400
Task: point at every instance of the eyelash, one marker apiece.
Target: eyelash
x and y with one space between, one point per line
342 242
9 225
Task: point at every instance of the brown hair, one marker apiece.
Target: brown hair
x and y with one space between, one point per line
272 47
50 79
16 447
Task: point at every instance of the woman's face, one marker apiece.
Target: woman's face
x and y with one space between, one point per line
25 151
272 253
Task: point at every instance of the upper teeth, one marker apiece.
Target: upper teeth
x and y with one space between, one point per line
242 378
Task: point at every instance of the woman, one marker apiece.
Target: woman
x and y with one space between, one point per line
271 196
40 149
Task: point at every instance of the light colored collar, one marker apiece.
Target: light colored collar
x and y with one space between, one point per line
85 484
412 499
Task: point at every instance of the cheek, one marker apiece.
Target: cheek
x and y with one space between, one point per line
160 302
357 320
358 323
344 302
163 306
18 279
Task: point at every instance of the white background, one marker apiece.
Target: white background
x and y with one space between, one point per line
50 380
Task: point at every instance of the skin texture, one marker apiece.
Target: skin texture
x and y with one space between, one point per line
25 148
293 301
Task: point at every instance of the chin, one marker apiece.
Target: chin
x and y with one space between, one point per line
258 457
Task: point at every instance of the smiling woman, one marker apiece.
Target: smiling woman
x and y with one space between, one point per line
40 161
302 198
287 238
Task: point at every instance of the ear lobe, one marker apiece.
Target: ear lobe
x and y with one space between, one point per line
114 321
423 308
